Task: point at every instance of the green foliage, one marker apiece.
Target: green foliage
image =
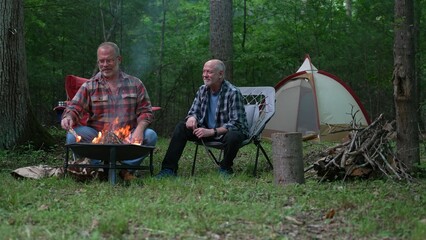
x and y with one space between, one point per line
165 43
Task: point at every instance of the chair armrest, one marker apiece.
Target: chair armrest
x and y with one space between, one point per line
59 108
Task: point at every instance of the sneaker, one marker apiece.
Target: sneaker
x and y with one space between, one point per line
226 172
165 173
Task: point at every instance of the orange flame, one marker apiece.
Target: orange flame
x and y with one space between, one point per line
122 133
98 138
73 132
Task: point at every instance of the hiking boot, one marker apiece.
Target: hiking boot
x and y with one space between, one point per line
165 173
226 172
126 175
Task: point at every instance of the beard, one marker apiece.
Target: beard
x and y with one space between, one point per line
207 82
109 72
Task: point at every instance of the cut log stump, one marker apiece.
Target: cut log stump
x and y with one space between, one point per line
287 158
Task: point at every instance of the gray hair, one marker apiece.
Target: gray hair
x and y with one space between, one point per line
112 45
219 65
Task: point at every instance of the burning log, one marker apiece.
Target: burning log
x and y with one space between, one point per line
114 135
107 137
368 152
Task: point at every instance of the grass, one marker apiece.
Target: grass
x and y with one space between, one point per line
206 206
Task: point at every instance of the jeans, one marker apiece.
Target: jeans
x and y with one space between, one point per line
232 141
88 134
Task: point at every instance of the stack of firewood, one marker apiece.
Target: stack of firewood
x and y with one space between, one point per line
368 152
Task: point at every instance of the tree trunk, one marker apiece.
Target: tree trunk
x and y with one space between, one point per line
159 86
221 33
18 124
348 7
243 42
418 70
405 85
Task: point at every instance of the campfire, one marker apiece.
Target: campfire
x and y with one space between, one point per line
111 135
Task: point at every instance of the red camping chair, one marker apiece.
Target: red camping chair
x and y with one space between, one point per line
72 84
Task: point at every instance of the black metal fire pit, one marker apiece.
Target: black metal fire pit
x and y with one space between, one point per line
110 154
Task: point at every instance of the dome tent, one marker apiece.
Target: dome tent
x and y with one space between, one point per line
315 103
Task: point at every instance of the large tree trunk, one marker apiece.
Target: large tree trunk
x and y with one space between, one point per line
420 93
405 85
17 121
159 86
348 7
221 33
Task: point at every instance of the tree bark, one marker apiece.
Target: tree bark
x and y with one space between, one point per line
17 121
405 84
221 33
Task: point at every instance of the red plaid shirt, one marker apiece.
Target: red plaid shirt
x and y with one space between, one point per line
130 106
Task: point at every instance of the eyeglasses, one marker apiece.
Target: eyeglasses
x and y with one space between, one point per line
106 61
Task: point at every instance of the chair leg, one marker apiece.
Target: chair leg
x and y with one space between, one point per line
195 159
259 146
220 157
151 165
213 157
256 161
66 161
266 156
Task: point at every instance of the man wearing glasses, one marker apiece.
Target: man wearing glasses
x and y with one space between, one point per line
113 100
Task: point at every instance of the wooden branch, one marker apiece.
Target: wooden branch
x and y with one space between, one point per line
389 166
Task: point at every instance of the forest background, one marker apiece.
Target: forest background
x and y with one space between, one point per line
166 42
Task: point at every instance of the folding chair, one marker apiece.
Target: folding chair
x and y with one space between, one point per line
260 107
72 84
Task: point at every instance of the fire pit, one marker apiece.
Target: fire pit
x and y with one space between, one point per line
109 154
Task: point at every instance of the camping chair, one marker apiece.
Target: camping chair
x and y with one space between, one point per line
72 85
260 107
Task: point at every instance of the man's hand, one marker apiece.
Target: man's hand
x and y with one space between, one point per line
191 123
67 123
137 135
203 132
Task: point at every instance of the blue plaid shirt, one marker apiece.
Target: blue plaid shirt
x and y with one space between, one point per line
230 112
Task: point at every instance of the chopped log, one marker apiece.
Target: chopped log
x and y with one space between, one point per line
287 158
